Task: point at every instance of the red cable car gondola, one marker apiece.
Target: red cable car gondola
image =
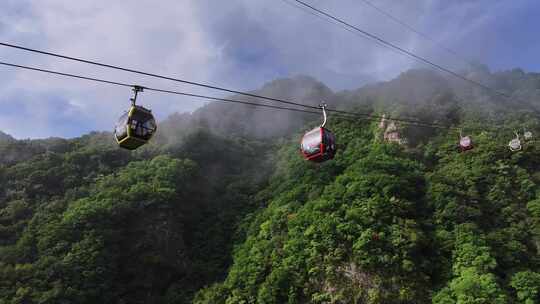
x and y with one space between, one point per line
319 144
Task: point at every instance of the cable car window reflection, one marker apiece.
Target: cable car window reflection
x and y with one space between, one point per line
121 130
148 128
331 140
312 141
149 125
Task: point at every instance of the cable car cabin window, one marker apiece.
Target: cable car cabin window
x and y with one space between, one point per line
331 140
149 126
311 142
142 124
120 129
318 145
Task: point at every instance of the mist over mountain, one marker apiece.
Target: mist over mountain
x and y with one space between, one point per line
220 207
5 137
408 95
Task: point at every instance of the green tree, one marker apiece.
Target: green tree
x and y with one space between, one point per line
527 286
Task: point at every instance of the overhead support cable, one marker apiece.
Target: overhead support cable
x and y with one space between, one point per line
419 33
170 78
342 114
124 84
199 84
410 54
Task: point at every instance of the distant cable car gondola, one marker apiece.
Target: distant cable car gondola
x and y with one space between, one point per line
527 135
515 144
465 143
136 126
319 144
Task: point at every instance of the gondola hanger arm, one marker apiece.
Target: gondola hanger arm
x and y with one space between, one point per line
136 89
323 107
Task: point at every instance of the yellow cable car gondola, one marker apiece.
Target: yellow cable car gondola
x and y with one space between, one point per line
136 126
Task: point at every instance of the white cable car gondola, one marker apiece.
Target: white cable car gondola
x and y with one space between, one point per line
465 142
136 126
319 144
515 144
527 135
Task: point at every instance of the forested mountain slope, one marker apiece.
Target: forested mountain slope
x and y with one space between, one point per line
221 208
385 225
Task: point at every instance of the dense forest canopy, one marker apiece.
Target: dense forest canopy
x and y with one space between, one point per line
221 208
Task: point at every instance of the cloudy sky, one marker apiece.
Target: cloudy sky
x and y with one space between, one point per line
239 44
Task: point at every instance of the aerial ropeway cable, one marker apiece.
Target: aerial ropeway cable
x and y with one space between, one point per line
247 94
465 143
385 43
340 113
123 84
419 33
137 125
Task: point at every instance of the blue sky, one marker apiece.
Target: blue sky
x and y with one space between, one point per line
239 44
